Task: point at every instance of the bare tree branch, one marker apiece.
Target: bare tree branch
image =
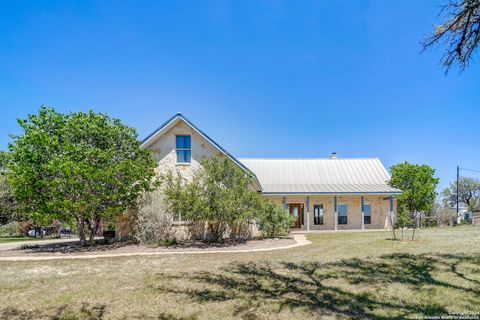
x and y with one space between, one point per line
459 34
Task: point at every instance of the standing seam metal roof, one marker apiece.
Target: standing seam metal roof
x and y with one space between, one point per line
323 175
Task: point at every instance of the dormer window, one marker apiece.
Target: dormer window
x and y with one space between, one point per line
183 147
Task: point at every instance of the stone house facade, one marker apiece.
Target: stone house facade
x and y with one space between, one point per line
322 194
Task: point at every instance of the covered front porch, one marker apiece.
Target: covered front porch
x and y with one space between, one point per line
340 211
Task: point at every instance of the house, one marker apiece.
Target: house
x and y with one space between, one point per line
464 213
322 194
475 217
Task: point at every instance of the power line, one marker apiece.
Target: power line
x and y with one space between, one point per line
472 170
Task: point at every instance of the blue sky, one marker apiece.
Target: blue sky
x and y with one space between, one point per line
263 78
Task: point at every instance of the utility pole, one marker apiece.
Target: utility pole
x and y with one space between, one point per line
458 174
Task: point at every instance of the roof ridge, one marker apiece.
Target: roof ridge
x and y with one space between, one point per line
313 158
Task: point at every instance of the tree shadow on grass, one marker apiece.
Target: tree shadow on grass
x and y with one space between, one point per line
350 288
99 245
84 312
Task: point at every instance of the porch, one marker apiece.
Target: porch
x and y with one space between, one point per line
340 211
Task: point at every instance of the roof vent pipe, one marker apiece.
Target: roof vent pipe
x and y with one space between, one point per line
333 155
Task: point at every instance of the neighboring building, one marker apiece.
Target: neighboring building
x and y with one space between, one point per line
330 193
475 217
464 213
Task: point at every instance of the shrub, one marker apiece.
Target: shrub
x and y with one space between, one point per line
219 196
153 226
274 220
25 226
10 229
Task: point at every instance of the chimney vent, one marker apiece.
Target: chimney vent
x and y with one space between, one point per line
333 155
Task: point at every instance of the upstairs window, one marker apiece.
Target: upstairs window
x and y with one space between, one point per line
367 213
183 146
318 214
342 213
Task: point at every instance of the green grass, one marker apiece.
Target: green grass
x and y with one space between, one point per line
15 239
340 275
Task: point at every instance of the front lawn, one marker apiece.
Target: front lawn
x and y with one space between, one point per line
15 239
340 275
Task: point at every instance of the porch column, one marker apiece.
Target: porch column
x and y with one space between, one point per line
391 211
285 202
363 212
308 213
335 213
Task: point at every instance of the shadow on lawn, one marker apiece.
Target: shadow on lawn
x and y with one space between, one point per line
351 288
85 311
100 245
74 246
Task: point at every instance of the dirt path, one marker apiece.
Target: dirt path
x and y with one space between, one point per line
300 240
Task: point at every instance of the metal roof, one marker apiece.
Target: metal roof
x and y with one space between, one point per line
321 176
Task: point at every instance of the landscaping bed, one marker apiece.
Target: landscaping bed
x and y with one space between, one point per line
101 248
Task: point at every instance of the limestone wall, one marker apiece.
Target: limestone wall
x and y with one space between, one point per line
380 218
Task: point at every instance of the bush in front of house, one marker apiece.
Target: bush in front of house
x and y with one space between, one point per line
220 197
10 229
273 220
152 225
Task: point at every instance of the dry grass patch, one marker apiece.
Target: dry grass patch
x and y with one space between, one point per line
340 275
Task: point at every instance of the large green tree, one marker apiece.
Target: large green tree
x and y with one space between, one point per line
81 167
8 204
469 192
418 184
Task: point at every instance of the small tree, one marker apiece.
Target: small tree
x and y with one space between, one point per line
219 195
403 217
78 166
274 220
225 196
469 193
418 185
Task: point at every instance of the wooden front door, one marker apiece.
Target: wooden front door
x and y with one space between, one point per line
295 211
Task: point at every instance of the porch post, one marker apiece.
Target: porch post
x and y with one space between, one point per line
285 202
363 212
308 213
335 213
391 211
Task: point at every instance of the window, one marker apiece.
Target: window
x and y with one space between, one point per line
318 214
183 146
178 218
342 213
367 211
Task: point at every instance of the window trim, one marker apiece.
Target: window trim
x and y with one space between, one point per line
178 219
183 149
320 216
338 213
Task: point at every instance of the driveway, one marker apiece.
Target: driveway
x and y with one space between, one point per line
19 244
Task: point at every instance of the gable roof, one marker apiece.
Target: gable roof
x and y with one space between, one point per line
321 176
176 118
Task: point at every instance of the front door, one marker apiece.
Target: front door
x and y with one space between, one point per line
295 212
